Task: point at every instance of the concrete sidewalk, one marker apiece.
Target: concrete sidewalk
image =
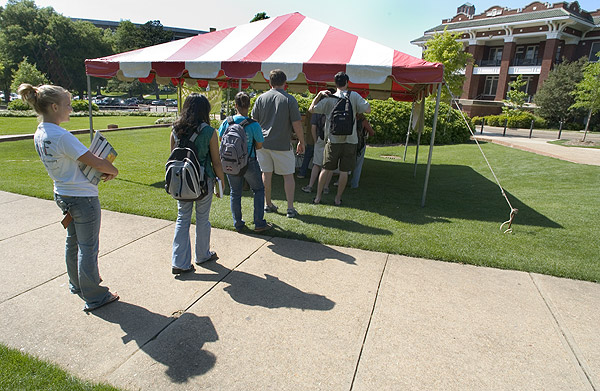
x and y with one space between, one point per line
281 314
539 143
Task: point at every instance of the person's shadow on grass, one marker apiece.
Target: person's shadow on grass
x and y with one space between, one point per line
268 292
176 342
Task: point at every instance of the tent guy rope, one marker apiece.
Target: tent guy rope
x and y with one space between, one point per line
513 211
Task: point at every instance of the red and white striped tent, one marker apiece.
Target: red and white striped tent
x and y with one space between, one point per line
308 51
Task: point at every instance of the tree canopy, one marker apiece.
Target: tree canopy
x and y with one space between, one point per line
447 49
260 16
555 99
27 73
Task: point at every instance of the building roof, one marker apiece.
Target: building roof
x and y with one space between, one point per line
515 18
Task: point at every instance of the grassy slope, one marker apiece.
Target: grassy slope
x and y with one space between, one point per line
27 125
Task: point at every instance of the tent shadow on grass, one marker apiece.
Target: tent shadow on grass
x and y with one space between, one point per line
388 188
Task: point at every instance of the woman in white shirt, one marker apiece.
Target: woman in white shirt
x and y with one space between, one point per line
77 197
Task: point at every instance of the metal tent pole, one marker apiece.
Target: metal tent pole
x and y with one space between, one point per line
408 131
421 125
435 117
89 86
240 86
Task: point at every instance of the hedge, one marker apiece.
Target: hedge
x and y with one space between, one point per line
520 120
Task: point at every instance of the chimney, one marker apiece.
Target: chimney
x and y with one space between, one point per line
467 9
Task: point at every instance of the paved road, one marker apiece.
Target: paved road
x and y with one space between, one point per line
278 314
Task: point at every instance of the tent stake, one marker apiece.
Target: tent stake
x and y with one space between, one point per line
435 117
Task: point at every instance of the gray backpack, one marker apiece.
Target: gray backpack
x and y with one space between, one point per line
234 147
185 179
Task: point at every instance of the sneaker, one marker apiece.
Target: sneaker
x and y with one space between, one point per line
213 257
271 208
266 227
176 270
291 213
326 190
241 228
307 189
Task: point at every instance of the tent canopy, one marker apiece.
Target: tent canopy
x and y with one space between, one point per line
308 51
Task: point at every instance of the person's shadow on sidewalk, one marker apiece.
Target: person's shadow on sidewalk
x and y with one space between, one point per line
309 252
175 342
268 292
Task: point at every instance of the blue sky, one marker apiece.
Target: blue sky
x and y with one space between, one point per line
393 23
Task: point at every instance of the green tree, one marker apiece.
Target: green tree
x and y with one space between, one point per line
587 92
446 49
555 99
27 73
128 37
260 16
515 97
56 44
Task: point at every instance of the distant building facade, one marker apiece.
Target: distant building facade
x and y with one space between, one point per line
527 41
178 33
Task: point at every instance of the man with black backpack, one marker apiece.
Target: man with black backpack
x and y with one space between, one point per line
240 138
340 131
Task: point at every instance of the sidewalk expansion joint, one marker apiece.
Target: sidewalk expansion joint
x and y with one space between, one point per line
31 230
369 322
569 340
33 287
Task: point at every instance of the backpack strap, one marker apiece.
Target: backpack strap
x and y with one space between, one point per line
230 120
198 131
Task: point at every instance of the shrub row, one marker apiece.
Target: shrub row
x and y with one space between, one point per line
519 120
31 113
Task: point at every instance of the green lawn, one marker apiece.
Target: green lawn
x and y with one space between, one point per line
555 231
27 125
23 372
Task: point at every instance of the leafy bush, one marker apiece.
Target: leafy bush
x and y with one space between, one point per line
520 120
477 120
390 119
83 105
18 105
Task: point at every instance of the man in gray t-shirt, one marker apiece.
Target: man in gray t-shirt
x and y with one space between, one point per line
277 113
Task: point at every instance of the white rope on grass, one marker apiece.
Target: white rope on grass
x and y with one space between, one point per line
513 211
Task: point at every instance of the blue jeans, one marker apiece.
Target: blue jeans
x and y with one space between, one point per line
81 249
182 248
254 178
360 159
308 155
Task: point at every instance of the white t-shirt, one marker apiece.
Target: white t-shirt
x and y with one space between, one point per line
326 106
59 151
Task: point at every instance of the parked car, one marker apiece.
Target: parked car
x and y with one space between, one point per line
171 102
131 101
158 102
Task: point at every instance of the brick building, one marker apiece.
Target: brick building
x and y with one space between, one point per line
526 41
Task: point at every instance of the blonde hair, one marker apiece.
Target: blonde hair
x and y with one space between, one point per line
40 98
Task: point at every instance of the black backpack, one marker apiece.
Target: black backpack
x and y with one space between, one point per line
185 179
342 117
321 127
234 147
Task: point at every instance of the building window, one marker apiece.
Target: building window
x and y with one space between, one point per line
526 55
594 51
528 79
491 85
557 58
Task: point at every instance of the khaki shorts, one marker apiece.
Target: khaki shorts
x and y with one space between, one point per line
340 155
279 162
319 154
